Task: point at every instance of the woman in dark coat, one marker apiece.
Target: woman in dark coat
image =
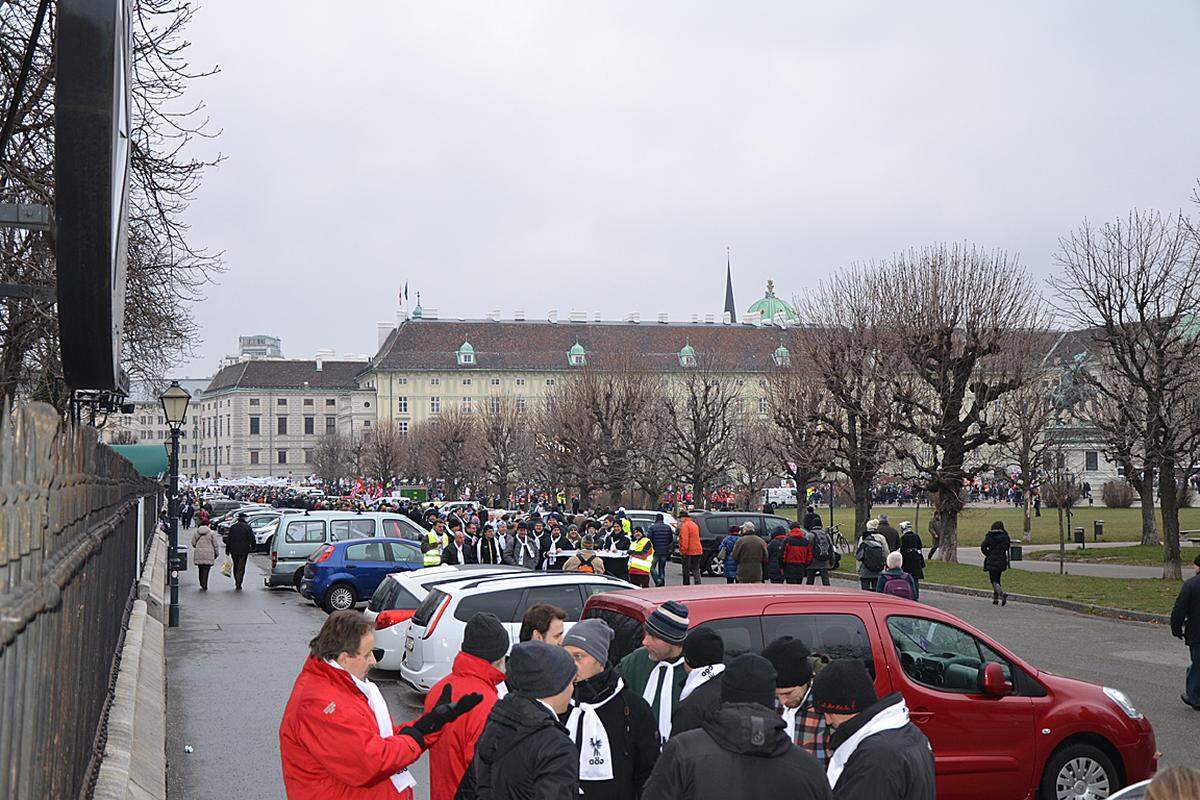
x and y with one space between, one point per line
914 559
995 559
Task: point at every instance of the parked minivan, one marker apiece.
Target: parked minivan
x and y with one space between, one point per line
999 728
714 526
301 534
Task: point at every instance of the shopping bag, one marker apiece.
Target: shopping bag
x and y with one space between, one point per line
227 567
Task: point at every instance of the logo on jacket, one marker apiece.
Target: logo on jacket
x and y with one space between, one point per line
329 709
597 756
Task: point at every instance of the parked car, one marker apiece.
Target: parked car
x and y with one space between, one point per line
401 593
1135 792
341 574
435 631
223 505
714 526
305 533
992 719
646 518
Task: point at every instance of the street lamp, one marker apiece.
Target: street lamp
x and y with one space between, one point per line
830 477
174 404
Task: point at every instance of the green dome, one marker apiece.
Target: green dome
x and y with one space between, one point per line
577 350
770 305
782 356
466 347
417 312
687 351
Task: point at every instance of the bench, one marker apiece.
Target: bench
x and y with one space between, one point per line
1191 536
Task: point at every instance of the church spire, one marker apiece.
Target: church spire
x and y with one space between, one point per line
730 307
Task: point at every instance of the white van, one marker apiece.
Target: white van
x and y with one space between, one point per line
300 535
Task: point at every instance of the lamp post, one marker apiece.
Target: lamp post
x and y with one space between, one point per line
174 403
830 476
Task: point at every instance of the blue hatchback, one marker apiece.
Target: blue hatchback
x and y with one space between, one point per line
339 575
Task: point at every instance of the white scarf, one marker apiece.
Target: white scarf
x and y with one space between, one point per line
698 677
493 545
528 548
403 779
589 733
656 679
887 720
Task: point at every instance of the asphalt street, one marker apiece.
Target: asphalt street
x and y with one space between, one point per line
232 661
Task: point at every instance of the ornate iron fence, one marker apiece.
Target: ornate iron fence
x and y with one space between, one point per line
69 550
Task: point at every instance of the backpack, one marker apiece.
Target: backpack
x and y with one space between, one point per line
873 558
898 587
822 546
586 566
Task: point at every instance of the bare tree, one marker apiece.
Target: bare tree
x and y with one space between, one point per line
851 350
1121 427
356 454
1029 414
504 443
753 462
331 457
124 436
384 446
569 440
699 415
449 446
652 469
1135 283
971 329
799 445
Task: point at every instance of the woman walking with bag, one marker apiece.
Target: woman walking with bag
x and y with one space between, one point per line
995 549
205 544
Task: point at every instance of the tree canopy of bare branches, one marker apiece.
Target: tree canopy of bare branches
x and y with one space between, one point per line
1030 414
754 463
1135 283
505 444
449 447
331 457
798 444
700 417
970 328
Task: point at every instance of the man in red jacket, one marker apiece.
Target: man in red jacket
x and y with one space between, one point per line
478 668
337 739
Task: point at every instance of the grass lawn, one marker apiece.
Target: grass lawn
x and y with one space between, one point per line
1120 524
1150 555
1154 596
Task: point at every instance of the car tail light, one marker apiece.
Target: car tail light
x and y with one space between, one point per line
387 619
274 558
437 618
324 555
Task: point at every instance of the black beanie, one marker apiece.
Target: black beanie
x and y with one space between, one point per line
843 687
703 647
485 637
749 678
789 656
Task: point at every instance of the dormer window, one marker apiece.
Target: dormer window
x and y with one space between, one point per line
577 356
782 357
687 356
466 354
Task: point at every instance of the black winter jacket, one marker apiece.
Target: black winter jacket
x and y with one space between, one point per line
632 737
524 753
690 712
895 764
775 558
995 551
910 549
811 520
1185 616
240 539
742 745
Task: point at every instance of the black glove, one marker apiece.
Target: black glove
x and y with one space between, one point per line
443 713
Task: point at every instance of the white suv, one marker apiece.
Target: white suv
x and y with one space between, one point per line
435 630
400 594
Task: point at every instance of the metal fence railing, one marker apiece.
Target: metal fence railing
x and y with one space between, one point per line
69 549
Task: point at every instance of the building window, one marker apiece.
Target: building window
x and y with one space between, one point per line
402 381
495 381
466 381
281 426
466 405
435 381
281 456
402 404
253 456
520 404
549 381
331 424
367 423
254 401
762 405
1091 460
255 422
308 426
308 455
402 427
494 405
281 401
520 381
330 402
435 405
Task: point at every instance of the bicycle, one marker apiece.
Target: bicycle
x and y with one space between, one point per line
839 541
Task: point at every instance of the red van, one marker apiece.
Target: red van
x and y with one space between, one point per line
1000 728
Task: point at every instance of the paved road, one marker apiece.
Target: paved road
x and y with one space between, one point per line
232 661
972 555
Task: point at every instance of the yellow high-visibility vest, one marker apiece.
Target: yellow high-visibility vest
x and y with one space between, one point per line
433 556
641 555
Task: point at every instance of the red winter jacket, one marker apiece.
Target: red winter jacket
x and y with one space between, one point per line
330 745
797 550
452 748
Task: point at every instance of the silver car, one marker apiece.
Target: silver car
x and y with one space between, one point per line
299 535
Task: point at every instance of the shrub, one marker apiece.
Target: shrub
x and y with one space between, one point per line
1053 493
1118 494
1187 497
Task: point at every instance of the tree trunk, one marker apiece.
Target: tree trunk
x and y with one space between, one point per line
862 506
1027 526
1145 489
1168 498
947 506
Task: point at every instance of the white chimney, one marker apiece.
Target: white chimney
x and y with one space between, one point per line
578 316
429 313
695 318
519 315
708 319
494 315
779 319
662 318
384 329
320 362
726 318
553 315
596 317
635 317
752 318
401 316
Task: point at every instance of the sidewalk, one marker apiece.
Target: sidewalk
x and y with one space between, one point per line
230 668
972 555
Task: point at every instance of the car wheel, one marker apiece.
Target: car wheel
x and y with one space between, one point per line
340 597
299 576
1079 772
715 565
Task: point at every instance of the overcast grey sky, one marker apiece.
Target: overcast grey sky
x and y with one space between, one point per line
601 155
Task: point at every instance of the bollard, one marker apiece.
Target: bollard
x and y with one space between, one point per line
1078 535
1097 529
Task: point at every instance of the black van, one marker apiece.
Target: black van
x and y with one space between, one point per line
715 525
